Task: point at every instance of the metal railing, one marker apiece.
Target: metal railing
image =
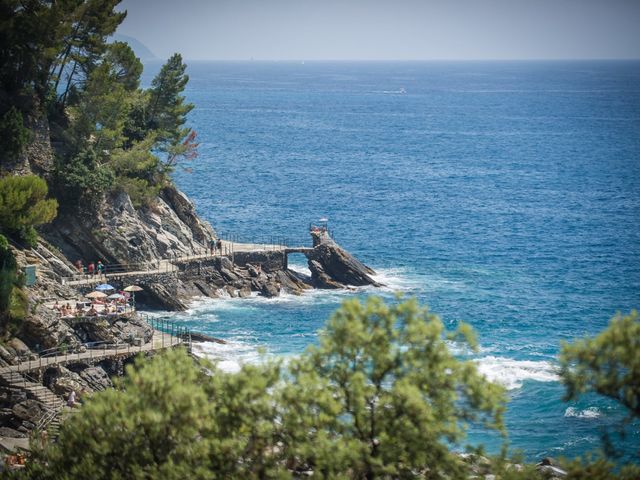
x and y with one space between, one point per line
172 335
168 264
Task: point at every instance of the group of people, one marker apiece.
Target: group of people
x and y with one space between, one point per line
215 245
92 268
97 307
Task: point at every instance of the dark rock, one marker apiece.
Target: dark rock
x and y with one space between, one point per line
331 265
270 290
96 378
10 432
29 425
46 329
28 410
549 469
162 296
201 337
11 395
114 367
228 275
8 355
245 292
19 346
63 381
320 278
252 270
291 282
6 415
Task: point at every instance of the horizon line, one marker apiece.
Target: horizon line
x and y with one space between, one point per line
416 60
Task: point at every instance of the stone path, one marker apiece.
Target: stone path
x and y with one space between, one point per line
169 265
14 376
159 341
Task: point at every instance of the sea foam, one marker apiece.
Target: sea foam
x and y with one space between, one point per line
591 412
512 373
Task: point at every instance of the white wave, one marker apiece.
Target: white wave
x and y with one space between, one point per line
397 280
228 357
512 373
591 412
303 269
461 348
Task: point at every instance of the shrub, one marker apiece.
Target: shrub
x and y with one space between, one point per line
23 206
13 134
83 178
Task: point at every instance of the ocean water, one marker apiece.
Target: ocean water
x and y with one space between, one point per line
506 195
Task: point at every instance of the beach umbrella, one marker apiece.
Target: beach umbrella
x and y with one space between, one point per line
133 288
96 295
116 296
104 287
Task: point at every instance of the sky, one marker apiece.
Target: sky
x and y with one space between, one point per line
386 29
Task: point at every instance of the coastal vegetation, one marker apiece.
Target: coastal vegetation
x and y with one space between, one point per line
108 134
23 206
13 299
380 396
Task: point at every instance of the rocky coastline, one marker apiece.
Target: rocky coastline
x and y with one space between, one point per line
121 234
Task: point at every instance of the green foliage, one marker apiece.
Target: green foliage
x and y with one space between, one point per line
142 192
155 425
125 67
167 108
18 303
380 397
246 427
90 91
383 396
13 134
83 177
87 25
8 275
30 36
13 299
23 206
608 364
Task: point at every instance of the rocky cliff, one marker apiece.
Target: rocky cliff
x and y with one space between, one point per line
127 238
117 233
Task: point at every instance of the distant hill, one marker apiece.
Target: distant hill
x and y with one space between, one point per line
140 49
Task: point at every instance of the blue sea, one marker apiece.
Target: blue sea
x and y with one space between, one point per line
503 194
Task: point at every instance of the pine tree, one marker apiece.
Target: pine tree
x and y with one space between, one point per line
23 206
167 108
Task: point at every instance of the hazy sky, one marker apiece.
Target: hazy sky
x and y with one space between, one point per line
386 29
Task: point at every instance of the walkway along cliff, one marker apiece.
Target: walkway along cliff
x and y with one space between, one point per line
238 271
35 383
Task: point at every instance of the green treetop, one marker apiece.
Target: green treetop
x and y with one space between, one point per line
380 397
167 107
23 206
608 364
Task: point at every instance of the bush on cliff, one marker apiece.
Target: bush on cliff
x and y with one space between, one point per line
23 206
380 397
13 300
13 134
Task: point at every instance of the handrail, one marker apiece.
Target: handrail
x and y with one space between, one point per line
168 264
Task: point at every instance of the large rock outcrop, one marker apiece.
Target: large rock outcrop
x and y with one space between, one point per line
118 233
333 267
